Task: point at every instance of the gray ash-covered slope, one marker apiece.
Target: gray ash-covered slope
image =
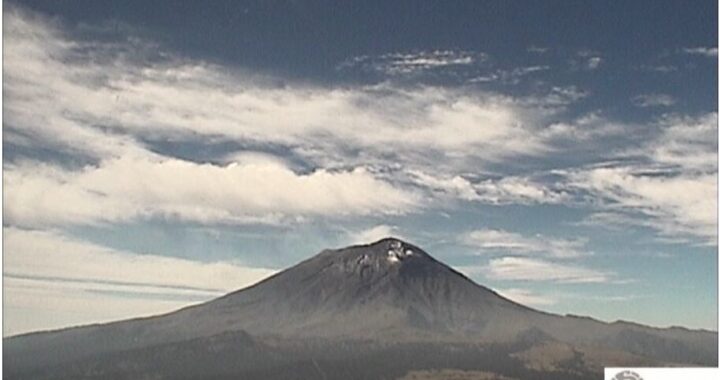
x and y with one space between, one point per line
389 291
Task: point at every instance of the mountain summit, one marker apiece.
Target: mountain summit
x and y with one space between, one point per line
389 292
387 289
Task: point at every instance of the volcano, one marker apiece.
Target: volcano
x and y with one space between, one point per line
382 310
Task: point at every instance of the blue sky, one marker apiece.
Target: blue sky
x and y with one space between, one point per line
157 155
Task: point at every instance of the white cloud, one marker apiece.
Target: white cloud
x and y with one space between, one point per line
99 101
47 273
679 204
593 63
527 297
456 186
51 254
564 95
515 190
510 242
589 127
711 52
129 188
653 100
673 188
537 49
33 305
690 143
413 62
513 76
664 69
374 234
525 269
532 298
56 95
587 60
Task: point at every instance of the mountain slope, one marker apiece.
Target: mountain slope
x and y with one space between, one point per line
389 291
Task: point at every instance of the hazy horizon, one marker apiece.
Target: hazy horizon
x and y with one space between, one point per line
154 313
